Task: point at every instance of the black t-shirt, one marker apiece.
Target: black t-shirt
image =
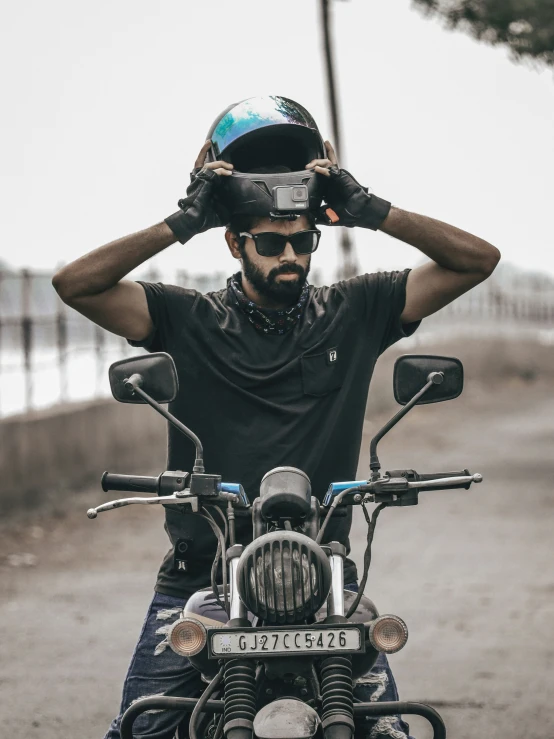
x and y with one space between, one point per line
261 401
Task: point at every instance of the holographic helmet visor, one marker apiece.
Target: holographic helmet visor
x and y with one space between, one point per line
255 113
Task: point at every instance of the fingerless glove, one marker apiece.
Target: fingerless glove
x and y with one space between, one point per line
350 204
200 210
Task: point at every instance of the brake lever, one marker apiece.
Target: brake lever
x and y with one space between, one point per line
179 498
401 491
441 482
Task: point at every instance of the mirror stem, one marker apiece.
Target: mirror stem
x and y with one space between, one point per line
134 381
434 378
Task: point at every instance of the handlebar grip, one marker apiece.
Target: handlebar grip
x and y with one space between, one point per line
440 475
129 483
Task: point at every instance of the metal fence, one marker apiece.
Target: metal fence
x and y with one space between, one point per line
50 353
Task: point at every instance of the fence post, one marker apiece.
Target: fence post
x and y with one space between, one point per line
27 336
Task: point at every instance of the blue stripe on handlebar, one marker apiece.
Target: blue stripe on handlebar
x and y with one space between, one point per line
337 487
237 489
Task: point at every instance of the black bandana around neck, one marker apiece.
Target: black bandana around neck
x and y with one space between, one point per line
267 321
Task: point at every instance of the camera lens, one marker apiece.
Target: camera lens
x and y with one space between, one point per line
299 193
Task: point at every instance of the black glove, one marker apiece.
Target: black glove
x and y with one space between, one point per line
349 204
201 209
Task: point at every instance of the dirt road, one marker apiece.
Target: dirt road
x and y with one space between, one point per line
470 572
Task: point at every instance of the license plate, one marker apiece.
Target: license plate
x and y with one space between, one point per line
267 642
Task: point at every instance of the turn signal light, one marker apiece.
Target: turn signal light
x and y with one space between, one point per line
388 634
187 637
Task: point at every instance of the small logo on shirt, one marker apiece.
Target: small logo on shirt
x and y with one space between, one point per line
332 355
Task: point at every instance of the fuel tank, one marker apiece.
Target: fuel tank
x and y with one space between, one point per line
204 608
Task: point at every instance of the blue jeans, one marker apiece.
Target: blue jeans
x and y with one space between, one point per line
155 669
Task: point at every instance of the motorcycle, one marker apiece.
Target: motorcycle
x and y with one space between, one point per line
279 641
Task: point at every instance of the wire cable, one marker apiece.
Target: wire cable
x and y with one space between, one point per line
219 729
198 708
223 518
367 554
336 501
220 548
220 552
218 555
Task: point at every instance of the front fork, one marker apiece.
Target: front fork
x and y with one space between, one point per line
237 609
337 704
335 601
240 674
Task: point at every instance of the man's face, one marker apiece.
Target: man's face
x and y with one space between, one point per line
279 278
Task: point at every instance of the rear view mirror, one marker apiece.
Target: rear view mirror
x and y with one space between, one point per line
158 378
411 374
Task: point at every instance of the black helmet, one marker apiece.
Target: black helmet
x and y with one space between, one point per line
269 141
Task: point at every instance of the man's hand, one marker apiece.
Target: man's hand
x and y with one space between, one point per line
220 168
459 260
348 203
322 166
201 210
95 286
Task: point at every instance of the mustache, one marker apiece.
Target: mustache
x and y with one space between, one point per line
284 268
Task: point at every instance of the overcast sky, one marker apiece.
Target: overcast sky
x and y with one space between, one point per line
107 103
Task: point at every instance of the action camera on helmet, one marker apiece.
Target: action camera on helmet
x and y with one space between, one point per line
274 195
269 140
290 197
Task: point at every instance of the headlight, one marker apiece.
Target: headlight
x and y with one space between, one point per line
388 634
283 577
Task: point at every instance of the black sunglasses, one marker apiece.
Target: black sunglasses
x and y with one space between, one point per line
271 244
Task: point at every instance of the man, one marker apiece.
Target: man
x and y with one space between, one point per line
272 371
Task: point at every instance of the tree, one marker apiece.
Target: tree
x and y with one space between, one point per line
526 27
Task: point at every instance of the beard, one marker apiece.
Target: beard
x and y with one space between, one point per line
266 285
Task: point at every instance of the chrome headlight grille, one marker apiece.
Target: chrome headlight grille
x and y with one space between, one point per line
283 577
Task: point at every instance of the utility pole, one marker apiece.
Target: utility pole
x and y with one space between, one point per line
349 266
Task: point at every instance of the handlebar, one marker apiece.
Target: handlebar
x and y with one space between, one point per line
169 482
394 487
130 483
174 481
170 489
396 484
402 487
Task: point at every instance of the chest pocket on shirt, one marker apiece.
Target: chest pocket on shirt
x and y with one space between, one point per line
322 373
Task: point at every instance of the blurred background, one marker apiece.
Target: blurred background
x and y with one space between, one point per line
445 108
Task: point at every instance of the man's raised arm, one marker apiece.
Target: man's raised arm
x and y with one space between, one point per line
94 284
460 260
